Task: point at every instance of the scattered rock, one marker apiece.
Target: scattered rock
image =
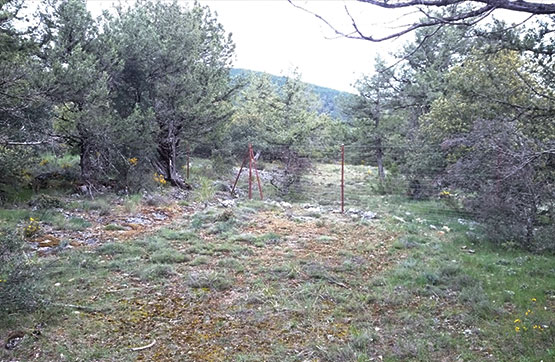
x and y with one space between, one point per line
227 203
368 215
137 220
286 205
14 339
314 210
158 216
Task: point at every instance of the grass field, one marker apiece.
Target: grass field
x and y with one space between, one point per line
136 279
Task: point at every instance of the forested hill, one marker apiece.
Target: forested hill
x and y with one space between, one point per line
331 98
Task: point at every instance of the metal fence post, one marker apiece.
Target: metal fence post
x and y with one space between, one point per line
342 179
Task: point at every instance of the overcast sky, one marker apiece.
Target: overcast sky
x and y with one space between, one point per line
275 37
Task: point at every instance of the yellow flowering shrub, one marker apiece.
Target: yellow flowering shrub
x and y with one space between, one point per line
32 228
160 179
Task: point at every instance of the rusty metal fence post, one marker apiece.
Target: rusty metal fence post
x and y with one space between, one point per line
342 179
252 162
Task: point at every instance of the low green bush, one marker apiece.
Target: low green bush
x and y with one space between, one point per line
18 274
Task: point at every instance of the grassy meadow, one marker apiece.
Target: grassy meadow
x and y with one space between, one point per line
210 278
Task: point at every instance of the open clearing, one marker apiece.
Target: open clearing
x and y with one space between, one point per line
251 281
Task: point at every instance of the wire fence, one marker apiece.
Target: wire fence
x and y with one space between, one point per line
329 179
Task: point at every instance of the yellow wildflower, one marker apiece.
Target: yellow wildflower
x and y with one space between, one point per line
517 320
517 329
533 299
133 161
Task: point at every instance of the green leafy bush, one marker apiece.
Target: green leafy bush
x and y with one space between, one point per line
18 274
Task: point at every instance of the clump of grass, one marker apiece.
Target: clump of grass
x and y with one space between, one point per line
268 238
170 234
204 190
152 244
77 224
156 200
201 219
201 248
132 203
289 270
326 239
405 242
169 256
249 238
156 271
113 227
116 248
100 205
210 280
231 263
200 260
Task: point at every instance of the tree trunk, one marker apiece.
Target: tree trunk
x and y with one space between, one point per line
85 162
379 159
167 163
532 217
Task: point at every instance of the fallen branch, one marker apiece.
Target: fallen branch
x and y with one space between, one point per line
135 349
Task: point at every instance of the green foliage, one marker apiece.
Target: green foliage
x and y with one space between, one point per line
501 88
15 165
44 201
204 190
495 133
278 120
330 99
18 273
174 72
22 105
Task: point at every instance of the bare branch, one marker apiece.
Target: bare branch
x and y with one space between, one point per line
468 16
532 7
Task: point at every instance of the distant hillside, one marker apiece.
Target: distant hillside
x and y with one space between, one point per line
330 97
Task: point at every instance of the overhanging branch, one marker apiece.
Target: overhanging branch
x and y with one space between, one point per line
469 13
